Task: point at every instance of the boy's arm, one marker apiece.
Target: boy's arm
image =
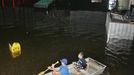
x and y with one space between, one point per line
53 68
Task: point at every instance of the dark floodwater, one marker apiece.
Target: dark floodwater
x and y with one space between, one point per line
119 56
48 38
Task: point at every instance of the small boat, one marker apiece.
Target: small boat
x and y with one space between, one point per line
94 68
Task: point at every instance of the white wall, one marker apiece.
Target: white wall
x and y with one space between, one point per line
132 2
123 4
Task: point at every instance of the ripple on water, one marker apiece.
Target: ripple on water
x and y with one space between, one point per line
118 53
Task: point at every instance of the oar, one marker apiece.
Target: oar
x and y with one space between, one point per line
43 72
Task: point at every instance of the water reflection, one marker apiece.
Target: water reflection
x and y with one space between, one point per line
49 38
118 53
46 39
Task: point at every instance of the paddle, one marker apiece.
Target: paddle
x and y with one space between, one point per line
43 72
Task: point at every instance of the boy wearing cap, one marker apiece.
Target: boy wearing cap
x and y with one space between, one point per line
62 70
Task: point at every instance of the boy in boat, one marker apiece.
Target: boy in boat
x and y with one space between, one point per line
80 64
62 70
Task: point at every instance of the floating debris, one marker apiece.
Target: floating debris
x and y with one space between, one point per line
15 49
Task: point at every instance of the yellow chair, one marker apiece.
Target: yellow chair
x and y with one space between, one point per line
15 49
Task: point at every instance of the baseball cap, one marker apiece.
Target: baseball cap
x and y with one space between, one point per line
64 60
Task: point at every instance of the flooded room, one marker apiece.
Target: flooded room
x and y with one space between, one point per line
66 37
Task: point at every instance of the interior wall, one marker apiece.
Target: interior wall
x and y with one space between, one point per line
131 2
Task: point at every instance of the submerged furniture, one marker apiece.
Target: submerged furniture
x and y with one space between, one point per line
118 28
95 68
43 3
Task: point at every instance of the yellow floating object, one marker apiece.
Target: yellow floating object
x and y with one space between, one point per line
15 49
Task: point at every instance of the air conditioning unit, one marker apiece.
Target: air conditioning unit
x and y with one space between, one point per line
96 1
